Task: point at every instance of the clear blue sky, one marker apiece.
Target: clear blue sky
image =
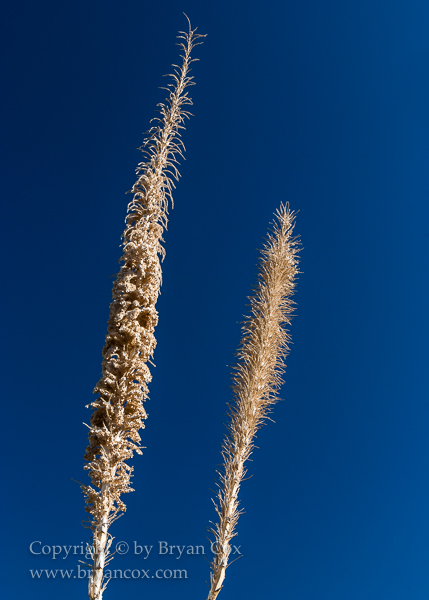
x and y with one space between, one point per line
324 104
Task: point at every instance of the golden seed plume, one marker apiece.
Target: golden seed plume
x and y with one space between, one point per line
119 413
257 378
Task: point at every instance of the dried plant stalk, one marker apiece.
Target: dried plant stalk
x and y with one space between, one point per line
257 378
118 410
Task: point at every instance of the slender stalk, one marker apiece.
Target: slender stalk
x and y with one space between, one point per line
119 413
256 380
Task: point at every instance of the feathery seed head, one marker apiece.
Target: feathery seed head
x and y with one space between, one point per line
118 411
257 377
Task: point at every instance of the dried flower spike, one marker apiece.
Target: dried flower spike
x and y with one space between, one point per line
130 342
256 380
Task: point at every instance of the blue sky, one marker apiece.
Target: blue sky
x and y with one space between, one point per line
321 104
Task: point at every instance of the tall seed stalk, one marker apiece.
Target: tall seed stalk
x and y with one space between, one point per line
130 342
256 379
